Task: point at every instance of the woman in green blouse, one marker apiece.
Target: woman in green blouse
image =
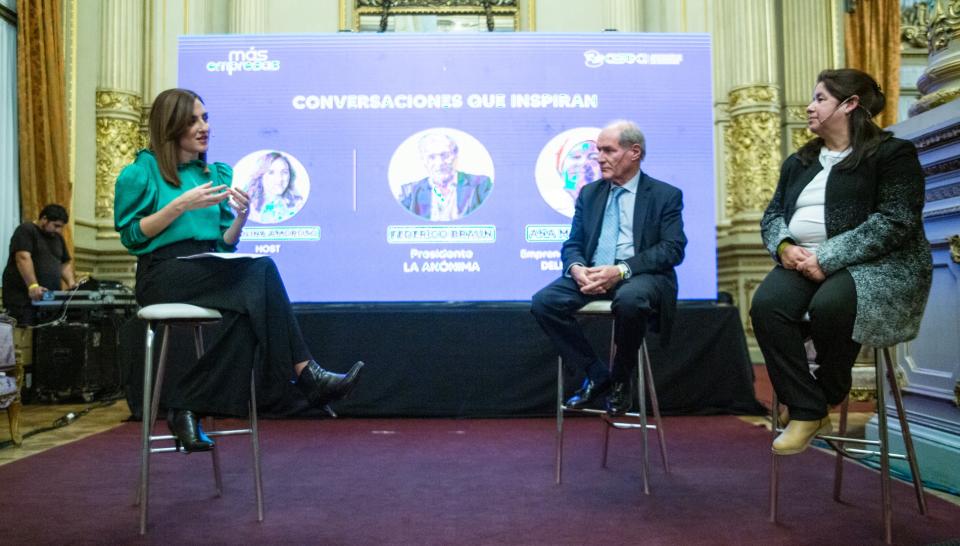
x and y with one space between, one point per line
171 203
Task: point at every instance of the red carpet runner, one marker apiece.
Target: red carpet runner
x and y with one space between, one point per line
455 482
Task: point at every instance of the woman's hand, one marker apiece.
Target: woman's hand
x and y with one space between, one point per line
810 268
793 255
240 203
200 197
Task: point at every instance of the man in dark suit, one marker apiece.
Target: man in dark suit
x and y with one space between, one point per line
625 241
446 193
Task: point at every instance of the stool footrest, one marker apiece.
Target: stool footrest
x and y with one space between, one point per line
628 426
861 441
234 432
590 411
850 451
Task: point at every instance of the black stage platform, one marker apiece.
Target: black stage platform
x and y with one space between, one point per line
492 360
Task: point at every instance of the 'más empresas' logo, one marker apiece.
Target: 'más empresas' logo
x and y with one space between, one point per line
245 60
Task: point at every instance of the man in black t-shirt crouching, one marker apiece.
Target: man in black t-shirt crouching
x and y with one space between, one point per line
38 260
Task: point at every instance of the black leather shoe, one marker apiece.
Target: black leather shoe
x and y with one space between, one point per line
620 399
589 393
184 426
322 387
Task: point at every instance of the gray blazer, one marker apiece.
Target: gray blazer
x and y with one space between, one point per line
874 222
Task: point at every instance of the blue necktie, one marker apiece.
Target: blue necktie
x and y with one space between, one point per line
610 231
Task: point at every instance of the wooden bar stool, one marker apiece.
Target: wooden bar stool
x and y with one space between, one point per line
632 420
871 448
166 315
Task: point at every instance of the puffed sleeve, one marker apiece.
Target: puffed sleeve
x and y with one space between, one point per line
223 175
135 197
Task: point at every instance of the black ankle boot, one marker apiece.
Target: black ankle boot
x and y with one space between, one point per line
322 387
184 426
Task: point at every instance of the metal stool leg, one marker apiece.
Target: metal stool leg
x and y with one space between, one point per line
255 441
559 455
838 463
642 412
214 453
605 447
884 449
655 404
774 460
911 455
143 489
604 450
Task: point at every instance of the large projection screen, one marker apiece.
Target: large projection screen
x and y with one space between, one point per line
339 135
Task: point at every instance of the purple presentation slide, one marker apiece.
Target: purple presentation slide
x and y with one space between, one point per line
445 167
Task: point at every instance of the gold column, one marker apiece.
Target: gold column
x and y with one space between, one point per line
749 123
248 17
118 101
940 82
623 15
806 22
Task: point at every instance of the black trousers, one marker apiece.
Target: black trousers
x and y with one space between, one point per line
634 301
779 305
259 330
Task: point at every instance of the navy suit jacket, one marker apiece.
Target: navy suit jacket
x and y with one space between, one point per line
658 238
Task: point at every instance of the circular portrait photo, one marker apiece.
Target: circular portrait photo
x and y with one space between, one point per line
278 185
441 174
565 165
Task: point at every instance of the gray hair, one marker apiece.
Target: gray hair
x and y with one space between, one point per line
437 136
630 134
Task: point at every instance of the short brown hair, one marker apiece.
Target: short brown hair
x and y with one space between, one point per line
170 117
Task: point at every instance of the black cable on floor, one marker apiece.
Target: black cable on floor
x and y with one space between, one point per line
62 421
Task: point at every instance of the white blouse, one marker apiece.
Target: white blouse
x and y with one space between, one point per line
807 224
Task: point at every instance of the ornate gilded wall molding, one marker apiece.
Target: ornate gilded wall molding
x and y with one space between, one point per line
118 139
940 81
764 96
954 241
914 20
944 25
931 101
753 148
492 10
797 121
433 3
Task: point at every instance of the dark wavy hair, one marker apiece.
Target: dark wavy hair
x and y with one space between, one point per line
865 135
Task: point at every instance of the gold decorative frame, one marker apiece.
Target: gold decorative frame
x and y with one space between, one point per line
385 8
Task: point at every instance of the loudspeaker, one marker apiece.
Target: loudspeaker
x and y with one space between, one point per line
76 361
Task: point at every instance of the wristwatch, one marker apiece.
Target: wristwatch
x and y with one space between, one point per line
624 271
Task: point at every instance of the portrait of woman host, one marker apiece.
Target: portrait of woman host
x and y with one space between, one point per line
853 268
170 203
274 196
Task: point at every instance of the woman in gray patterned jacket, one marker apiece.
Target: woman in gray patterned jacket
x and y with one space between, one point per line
845 226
